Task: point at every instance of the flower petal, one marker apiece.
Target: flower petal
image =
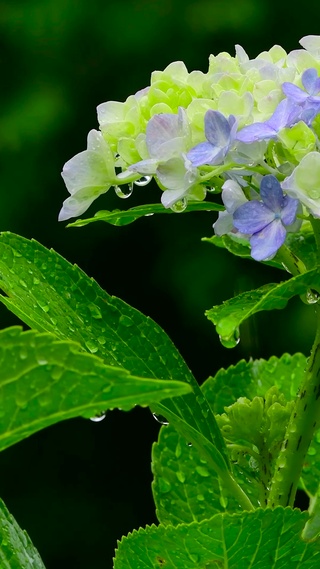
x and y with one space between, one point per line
255 132
271 193
252 217
310 81
217 128
289 210
266 242
204 153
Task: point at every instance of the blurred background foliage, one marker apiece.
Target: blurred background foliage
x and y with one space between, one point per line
79 486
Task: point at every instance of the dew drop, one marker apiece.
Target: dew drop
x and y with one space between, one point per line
202 471
95 311
160 419
178 450
92 346
99 417
164 485
231 341
200 497
181 476
180 206
143 181
312 297
122 193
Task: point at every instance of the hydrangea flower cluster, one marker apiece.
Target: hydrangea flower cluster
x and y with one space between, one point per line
248 127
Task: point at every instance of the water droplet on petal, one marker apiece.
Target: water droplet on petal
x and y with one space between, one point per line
231 341
160 419
180 205
99 417
143 181
124 192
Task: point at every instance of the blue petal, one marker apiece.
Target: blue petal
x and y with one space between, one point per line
271 193
204 153
255 132
266 243
217 128
289 210
294 92
252 217
286 114
310 81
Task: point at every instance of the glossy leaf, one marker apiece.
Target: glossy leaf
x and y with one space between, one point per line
44 381
259 539
185 486
230 315
16 548
302 244
124 217
51 295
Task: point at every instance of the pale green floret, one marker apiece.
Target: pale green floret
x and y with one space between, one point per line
230 103
304 182
87 175
298 140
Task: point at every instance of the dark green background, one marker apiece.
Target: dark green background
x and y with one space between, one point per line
79 486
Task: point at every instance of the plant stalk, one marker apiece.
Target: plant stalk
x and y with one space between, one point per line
302 425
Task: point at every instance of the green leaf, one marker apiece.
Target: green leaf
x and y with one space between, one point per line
228 316
51 295
302 244
256 377
44 381
185 487
16 548
260 539
124 217
238 247
253 463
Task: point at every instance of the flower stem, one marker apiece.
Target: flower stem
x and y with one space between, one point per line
302 425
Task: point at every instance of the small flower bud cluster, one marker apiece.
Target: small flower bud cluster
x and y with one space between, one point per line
248 127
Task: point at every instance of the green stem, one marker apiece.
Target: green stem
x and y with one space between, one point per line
302 425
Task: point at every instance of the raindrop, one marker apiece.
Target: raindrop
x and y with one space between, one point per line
95 311
143 181
181 476
312 296
92 346
164 485
202 471
148 214
200 497
99 417
160 419
124 194
231 341
179 206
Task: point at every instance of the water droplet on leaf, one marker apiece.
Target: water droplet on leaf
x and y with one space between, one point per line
312 296
95 311
181 476
124 192
99 417
180 206
231 341
160 419
92 346
143 181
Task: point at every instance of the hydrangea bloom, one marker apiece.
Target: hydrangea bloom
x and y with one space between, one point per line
241 122
266 221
